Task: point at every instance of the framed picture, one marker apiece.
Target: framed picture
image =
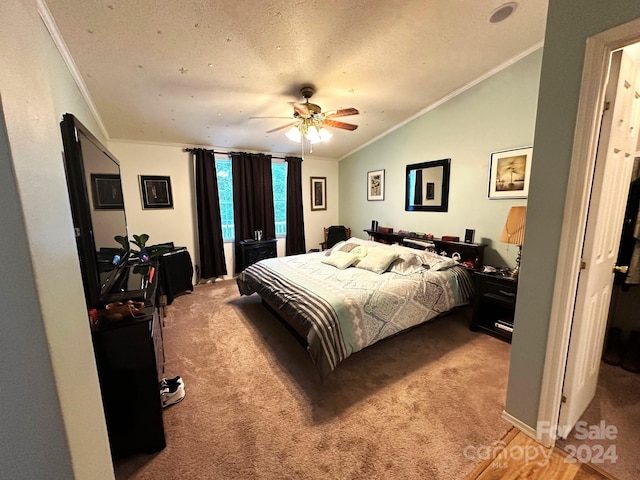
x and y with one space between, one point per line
509 173
156 191
106 191
375 185
318 193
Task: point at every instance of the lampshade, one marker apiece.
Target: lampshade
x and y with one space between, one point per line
513 231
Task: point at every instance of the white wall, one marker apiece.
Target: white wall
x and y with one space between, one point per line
497 114
179 224
50 406
315 221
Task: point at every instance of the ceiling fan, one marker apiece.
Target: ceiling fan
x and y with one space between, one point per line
309 122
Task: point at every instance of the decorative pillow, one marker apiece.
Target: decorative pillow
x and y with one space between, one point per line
408 263
377 260
347 244
342 244
340 260
347 247
360 252
443 264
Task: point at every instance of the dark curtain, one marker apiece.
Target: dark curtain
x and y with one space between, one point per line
210 241
252 197
295 214
417 195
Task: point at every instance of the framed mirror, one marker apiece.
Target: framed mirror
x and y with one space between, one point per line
427 188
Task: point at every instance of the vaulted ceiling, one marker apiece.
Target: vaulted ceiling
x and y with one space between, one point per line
196 72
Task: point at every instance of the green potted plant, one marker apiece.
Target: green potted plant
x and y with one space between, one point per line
144 252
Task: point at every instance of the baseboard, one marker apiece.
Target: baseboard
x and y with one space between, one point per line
523 427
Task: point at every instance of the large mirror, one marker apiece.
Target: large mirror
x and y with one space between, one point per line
428 186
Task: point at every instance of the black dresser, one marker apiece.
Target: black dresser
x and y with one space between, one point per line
130 361
252 251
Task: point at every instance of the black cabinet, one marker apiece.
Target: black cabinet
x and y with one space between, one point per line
130 361
252 251
494 304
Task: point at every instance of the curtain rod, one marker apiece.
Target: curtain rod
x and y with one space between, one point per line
224 153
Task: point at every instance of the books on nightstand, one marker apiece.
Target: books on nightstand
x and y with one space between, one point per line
504 325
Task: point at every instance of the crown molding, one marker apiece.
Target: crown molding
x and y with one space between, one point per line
60 44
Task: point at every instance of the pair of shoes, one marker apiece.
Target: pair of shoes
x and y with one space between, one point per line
167 382
171 391
172 394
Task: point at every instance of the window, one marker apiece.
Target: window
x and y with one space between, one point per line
225 195
279 177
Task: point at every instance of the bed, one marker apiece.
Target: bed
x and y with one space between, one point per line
340 301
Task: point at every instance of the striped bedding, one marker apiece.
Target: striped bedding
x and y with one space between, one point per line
343 311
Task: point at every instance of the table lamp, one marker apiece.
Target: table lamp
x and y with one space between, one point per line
513 233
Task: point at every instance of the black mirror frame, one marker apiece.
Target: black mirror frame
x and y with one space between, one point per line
446 174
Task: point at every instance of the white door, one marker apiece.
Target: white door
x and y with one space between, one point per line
614 162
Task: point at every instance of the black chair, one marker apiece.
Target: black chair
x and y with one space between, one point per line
335 234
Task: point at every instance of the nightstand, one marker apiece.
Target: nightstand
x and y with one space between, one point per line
494 304
252 251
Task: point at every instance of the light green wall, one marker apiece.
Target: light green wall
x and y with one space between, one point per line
497 114
569 24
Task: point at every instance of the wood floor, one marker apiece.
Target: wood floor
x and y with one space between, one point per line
522 458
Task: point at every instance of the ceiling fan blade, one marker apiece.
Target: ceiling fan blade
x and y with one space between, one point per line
301 109
343 112
280 128
250 118
336 124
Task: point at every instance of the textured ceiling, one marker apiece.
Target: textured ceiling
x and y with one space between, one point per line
195 72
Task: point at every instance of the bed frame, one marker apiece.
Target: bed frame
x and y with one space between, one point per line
287 321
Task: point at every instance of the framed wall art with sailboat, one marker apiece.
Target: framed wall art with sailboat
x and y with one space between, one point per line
509 172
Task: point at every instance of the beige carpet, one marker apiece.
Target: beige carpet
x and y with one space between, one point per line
255 407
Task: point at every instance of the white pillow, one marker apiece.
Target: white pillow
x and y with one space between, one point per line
377 260
408 263
347 245
340 260
444 264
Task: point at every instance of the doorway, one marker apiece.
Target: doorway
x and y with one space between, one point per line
586 136
608 432
595 69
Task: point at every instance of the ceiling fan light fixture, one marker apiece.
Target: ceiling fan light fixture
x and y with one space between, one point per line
308 121
325 134
294 135
313 135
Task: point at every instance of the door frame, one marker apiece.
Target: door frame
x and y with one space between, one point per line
594 77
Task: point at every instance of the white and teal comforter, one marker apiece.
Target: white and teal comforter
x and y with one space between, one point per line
342 311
